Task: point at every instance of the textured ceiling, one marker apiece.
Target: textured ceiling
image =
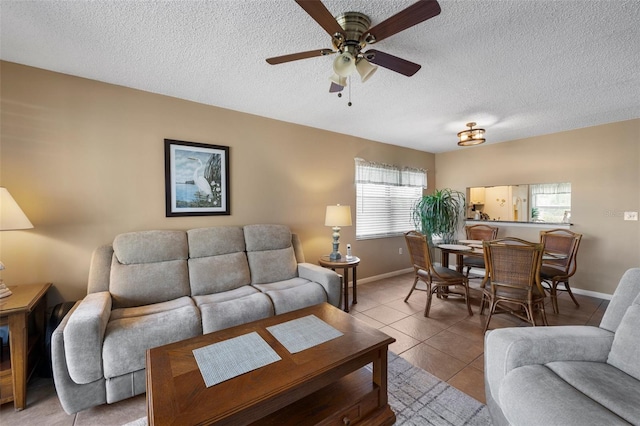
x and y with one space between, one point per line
518 68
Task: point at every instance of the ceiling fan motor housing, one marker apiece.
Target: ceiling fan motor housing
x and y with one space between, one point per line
355 24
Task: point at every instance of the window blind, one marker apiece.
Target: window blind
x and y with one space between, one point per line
385 196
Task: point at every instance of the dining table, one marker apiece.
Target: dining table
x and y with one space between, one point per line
474 248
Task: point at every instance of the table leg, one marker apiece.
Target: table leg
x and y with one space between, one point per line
380 374
345 277
444 258
459 266
18 336
355 289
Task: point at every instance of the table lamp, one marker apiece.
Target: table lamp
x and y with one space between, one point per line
11 218
336 217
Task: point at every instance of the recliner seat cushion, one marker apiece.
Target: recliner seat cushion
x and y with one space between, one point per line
128 338
293 294
529 396
218 316
603 383
223 296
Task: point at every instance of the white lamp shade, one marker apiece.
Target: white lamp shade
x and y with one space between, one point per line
341 81
338 216
11 215
365 69
344 64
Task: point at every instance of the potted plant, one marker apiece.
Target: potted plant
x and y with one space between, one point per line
439 214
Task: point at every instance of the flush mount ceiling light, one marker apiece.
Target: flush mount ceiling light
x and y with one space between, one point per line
471 136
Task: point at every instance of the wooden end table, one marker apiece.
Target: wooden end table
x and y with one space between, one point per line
15 310
345 263
326 384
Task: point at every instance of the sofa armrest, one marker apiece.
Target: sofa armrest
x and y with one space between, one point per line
327 278
509 348
84 335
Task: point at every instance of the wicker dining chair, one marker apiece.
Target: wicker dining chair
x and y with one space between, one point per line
513 279
481 233
554 271
436 278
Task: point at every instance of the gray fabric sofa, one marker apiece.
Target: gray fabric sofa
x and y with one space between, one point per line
152 288
569 375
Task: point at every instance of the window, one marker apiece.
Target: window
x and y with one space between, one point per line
551 202
385 196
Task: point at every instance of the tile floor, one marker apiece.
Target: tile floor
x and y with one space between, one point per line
448 344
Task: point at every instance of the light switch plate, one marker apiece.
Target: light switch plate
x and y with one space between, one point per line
630 215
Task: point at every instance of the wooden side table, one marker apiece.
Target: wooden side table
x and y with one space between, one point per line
345 263
26 300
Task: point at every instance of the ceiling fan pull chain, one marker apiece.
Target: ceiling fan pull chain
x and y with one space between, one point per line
349 103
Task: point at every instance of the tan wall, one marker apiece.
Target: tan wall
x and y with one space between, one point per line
85 161
603 165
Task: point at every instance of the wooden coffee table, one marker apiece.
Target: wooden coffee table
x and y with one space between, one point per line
326 384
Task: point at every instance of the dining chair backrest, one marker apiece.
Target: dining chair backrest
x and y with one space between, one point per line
481 232
561 242
419 251
512 262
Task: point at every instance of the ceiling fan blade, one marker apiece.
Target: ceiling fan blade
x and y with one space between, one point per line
391 62
321 15
300 55
413 15
335 88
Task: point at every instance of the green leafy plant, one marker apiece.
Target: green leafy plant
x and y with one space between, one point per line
439 214
534 213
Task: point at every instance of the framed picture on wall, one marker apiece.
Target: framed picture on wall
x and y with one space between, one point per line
196 178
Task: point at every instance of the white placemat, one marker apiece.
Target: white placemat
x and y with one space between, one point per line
303 333
230 358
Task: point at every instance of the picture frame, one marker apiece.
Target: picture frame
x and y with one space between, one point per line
196 179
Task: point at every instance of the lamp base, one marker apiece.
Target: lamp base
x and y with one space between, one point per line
335 255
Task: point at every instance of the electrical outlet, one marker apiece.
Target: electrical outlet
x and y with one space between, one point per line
400 250
630 215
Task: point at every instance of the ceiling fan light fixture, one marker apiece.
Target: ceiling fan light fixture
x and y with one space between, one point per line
365 69
344 64
471 136
340 81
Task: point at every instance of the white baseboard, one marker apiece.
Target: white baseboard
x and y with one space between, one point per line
480 272
383 276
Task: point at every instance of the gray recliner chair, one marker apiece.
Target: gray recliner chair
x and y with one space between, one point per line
569 375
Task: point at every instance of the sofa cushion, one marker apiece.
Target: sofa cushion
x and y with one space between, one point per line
296 293
223 296
148 283
149 267
217 316
530 395
214 274
140 311
625 351
267 237
150 246
603 383
270 253
214 241
128 338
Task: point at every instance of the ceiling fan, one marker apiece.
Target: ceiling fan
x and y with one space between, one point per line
351 32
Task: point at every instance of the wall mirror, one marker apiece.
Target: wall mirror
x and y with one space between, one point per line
538 203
